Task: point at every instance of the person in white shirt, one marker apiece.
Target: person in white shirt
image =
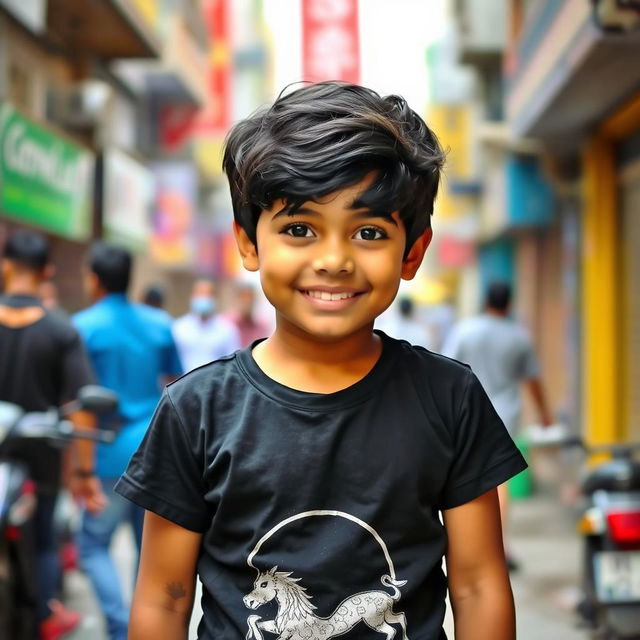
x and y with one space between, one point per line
202 335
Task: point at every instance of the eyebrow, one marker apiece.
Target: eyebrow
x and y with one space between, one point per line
365 213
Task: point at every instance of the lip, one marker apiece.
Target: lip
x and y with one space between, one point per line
331 305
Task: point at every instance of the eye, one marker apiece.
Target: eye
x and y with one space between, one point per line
370 233
298 230
263 585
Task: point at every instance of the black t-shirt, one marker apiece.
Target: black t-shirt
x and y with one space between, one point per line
320 512
42 365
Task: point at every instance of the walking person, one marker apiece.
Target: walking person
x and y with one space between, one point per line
43 364
203 335
250 327
501 354
309 472
133 353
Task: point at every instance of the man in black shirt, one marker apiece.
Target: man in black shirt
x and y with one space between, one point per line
42 365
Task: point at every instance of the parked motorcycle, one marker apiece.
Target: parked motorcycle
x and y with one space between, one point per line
610 526
18 499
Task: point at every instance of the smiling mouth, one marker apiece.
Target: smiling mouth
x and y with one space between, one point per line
327 295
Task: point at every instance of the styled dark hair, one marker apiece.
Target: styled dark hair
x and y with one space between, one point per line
498 295
327 136
112 265
27 248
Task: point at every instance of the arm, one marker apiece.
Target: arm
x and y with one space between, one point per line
537 393
84 484
479 586
165 588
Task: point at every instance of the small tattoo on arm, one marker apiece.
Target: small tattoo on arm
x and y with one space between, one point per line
175 590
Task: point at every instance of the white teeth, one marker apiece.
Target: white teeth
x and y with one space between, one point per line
325 295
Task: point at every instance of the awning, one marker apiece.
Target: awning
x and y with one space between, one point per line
106 29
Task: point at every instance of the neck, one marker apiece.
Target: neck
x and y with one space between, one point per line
26 285
297 346
500 313
296 360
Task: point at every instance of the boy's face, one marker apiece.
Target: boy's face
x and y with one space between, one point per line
329 270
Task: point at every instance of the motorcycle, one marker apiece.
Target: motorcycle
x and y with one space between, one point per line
610 527
18 499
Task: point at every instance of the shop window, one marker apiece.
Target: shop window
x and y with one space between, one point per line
20 88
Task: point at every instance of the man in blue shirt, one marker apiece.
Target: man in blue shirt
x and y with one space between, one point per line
133 353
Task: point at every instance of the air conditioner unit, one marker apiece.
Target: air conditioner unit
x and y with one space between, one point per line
82 105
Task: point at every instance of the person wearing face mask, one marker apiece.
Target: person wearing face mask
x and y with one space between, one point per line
202 335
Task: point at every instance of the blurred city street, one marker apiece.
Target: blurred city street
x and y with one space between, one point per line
545 587
115 117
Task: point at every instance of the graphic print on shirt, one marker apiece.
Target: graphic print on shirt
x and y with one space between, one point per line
296 620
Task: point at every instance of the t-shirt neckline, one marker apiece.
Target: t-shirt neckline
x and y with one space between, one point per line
354 394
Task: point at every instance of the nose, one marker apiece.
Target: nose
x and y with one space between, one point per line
333 258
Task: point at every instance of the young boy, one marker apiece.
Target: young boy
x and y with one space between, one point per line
303 478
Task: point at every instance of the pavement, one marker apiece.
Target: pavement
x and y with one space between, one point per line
542 536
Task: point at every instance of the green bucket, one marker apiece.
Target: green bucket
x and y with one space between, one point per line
521 486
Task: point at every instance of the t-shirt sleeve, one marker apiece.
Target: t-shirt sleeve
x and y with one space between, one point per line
530 367
76 371
484 453
164 474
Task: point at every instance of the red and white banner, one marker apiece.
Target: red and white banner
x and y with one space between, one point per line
330 40
215 118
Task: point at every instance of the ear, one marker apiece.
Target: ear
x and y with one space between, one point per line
49 272
272 571
412 262
248 250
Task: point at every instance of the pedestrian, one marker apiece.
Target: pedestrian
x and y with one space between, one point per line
154 296
43 364
501 353
133 353
404 325
250 327
309 472
203 335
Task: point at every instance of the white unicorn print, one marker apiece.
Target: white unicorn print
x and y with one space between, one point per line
296 620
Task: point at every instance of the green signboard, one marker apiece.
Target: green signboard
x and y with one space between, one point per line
45 180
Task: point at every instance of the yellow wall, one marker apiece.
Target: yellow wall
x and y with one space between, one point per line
452 124
602 394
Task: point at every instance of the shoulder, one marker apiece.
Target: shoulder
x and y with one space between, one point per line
432 373
182 322
61 327
225 323
203 383
88 318
430 361
152 316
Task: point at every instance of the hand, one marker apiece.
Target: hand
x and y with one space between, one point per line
87 491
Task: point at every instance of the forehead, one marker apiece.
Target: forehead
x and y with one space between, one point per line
203 288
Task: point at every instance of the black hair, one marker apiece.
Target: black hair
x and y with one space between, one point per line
327 136
27 248
405 305
154 296
112 265
498 295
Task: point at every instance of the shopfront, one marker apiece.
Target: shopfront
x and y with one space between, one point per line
47 183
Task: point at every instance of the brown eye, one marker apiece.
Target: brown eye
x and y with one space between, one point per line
298 231
370 233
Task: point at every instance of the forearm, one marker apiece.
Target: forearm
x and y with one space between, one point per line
84 450
153 621
539 399
485 613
